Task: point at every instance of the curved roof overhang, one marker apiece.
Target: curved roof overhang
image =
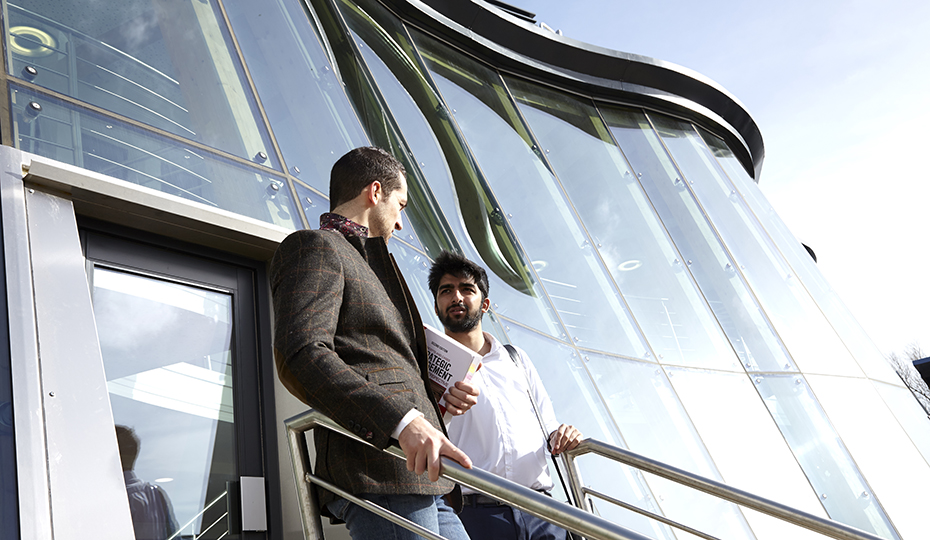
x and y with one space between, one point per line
517 46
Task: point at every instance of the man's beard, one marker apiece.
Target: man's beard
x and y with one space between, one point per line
468 322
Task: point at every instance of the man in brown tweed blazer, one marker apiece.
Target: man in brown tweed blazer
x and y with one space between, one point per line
349 342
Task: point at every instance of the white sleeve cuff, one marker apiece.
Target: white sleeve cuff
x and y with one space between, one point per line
412 415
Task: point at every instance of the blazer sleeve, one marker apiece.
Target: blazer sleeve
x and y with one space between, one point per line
307 281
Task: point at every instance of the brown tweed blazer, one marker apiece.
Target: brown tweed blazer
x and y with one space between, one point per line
349 342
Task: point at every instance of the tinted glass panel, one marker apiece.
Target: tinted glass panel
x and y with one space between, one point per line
170 65
168 357
634 245
89 140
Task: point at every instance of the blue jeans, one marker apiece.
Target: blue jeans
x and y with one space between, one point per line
500 522
426 510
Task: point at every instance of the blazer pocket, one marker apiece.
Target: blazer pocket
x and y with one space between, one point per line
391 379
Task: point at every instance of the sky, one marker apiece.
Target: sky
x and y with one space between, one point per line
841 93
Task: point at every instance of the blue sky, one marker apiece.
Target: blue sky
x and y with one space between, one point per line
841 92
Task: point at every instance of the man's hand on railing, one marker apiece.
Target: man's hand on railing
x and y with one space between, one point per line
461 397
563 439
423 445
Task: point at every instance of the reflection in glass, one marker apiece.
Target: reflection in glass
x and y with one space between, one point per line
805 332
167 353
887 457
576 401
868 356
532 202
301 91
825 461
653 423
748 449
86 139
167 64
667 305
704 256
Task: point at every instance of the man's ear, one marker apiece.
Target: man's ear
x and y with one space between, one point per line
374 192
485 305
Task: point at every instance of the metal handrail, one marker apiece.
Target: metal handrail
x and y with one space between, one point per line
563 515
579 521
826 527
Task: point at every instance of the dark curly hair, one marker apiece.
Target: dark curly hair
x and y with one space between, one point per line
458 266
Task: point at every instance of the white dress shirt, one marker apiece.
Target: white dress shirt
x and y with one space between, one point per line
501 433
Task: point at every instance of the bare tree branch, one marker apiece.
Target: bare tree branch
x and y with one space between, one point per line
905 369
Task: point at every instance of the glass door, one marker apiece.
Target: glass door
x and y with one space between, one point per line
170 334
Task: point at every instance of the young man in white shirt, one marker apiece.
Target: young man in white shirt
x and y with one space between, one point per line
501 433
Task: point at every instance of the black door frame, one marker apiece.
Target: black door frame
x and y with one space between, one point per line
254 409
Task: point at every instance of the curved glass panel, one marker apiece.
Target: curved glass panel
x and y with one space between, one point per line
821 454
868 356
666 303
97 143
168 355
300 89
743 322
532 201
170 65
398 86
748 449
576 401
883 452
654 423
800 324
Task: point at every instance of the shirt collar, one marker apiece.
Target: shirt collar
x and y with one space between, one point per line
342 225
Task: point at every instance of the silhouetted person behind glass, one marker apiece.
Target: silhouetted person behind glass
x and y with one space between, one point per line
152 516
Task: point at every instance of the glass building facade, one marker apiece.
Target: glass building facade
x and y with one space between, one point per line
631 253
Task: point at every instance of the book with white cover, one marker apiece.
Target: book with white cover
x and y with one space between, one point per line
449 361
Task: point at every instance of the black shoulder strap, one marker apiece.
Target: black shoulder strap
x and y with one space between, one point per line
515 356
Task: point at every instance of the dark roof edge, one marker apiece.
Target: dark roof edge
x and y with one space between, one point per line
519 47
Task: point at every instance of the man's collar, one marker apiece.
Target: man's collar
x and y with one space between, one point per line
343 225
